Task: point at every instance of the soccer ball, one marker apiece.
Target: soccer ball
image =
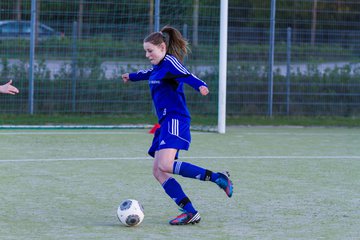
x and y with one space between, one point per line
130 213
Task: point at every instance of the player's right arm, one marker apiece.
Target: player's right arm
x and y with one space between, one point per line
125 77
138 76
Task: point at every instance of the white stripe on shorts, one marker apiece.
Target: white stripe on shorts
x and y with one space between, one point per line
175 127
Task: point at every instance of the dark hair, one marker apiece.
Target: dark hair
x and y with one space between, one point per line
174 41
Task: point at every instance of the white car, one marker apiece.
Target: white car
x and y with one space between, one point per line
11 29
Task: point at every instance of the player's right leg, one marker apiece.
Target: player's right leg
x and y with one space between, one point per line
162 165
186 218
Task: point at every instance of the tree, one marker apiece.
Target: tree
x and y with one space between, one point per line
313 23
80 19
37 21
195 41
151 16
18 10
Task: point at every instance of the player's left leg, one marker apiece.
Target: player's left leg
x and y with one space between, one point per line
163 162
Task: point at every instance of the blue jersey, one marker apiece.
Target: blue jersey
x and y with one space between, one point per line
166 81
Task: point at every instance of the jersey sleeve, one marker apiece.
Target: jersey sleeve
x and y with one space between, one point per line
140 75
182 74
193 81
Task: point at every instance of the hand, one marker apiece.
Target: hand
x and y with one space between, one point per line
8 88
125 77
204 90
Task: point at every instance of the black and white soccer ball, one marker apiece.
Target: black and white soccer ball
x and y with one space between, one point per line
130 212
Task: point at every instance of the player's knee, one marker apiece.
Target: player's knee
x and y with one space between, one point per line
161 168
165 167
159 175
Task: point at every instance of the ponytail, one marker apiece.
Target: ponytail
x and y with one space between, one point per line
175 43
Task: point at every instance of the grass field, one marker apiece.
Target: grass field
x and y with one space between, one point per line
290 183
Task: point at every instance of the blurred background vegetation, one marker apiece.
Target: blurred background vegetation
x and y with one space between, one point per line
79 72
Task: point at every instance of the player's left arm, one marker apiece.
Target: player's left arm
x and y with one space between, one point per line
181 74
204 90
196 83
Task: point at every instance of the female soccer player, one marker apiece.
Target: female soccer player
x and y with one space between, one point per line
166 50
7 88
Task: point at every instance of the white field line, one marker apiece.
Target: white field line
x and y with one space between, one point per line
65 132
70 133
132 132
298 134
147 158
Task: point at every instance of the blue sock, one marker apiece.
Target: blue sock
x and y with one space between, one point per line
192 171
174 190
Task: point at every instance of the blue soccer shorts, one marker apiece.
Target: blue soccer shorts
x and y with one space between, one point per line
173 133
